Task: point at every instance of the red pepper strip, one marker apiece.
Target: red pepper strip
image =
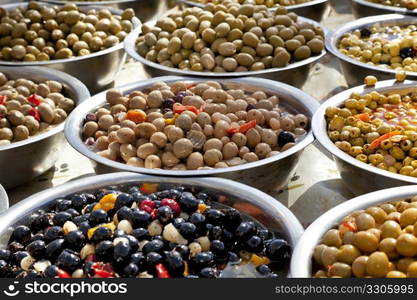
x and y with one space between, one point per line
363 117
100 272
3 99
161 271
62 274
34 113
189 86
34 100
202 108
376 143
350 226
245 127
232 130
178 108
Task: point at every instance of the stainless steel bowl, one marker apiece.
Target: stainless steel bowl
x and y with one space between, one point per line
266 210
301 260
145 10
354 70
22 161
97 70
315 9
363 8
268 174
360 177
294 74
4 200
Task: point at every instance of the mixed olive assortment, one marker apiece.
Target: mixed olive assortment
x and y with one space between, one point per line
192 126
28 108
380 241
389 47
410 4
141 232
41 33
267 3
229 38
377 129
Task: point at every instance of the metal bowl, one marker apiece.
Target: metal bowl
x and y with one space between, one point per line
4 200
354 70
360 177
294 74
363 8
96 70
301 260
315 9
22 161
269 174
266 210
145 10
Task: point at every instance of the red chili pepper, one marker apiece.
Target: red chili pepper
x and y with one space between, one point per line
161 271
189 86
3 99
154 213
232 130
172 204
242 129
350 226
34 113
102 270
147 205
62 274
34 99
376 143
178 108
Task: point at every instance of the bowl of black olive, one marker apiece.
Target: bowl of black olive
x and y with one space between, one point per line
131 225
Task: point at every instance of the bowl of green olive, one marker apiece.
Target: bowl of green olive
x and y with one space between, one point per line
275 45
367 8
371 236
83 42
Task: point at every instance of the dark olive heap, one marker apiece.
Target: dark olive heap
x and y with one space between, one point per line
141 232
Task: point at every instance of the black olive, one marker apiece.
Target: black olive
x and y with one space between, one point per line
68 260
122 251
18 256
158 237
365 33
60 218
285 137
406 52
63 204
215 217
36 249
191 276
79 219
133 242
84 227
4 269
54 248
101 234
89 208
177 222
138 197
119 233
227 238
264 234
31 274
263 270
219 249
15 246
89 197
53 233
199 220
277 250
152 197
254 244
123 199
133 189
138 259
124 213
188 202
5 255
208 273
140 218
174 263
152 259
72 212
37 237
75 239
215 233
40 222
170 246
21 234
245 231
164 214
232 219
183 250
188 231
233 258
153 246
174 194
98 217
203 196
78 201
51 271
131 270
141 234
202 260
104 251
157 203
